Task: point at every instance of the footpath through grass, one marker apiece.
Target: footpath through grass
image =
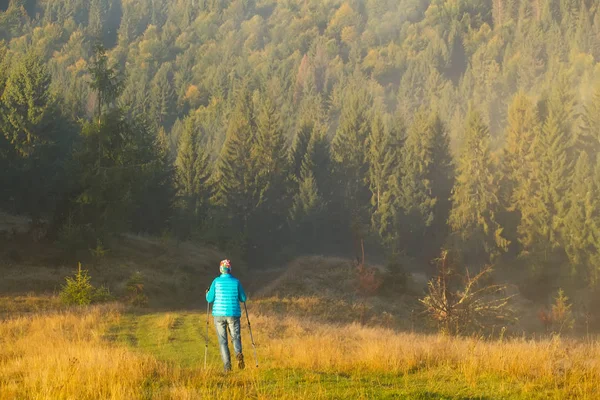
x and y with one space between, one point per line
178 339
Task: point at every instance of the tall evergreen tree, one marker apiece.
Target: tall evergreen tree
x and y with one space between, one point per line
590 128
579 230
518 167
380 159
153 208
98 10
475 200
349 149
162 98
106 80
235 175
27 106
386 221
118 162
519 162
299 149
555 163
426 180
40 138
269 155
308 215
193 173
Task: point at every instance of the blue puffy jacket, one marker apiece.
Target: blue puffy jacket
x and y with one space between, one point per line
226 292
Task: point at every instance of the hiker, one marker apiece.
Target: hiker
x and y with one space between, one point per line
226 292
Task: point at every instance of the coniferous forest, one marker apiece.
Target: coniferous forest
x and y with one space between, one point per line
279 127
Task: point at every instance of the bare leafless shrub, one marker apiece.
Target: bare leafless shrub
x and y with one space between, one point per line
465 304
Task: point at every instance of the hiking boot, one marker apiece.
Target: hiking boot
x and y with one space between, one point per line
240 358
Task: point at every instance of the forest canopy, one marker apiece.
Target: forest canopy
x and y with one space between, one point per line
277 127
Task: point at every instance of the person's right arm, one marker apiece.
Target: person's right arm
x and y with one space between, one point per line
241 293
210 295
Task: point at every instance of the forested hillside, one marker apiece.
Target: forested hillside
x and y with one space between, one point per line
278 127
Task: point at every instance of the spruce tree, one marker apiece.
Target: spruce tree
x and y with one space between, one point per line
98 10
106 80
235 176
474 200
269 155
118 172
426 180
578 226
37 139
153 208
309 221
519 163
306 213
299 149
28 107
590 128
386 221
162 98
349 149
555 165
519 157
193 173
594 256
380 160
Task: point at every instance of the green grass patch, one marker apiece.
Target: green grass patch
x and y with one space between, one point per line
178 338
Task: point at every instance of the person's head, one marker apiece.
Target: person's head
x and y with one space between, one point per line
225 267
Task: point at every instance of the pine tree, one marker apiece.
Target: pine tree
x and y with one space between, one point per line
28 107
578 229
235 173
98 10
299 149
306 213
153 208
590 128
269 155
309 221
386 221
426 179
193 173
518 167
349 149
106 80
544 197
119 169
307 201
380 160
162 98
519 163
555 165
594 256
475 202
318 161
37 139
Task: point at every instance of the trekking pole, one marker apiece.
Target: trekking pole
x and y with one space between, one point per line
251 337
206 337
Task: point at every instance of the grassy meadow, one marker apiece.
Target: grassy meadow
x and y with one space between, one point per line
314 339
110 352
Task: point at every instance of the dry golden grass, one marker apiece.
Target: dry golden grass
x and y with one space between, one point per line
572 365
66 355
